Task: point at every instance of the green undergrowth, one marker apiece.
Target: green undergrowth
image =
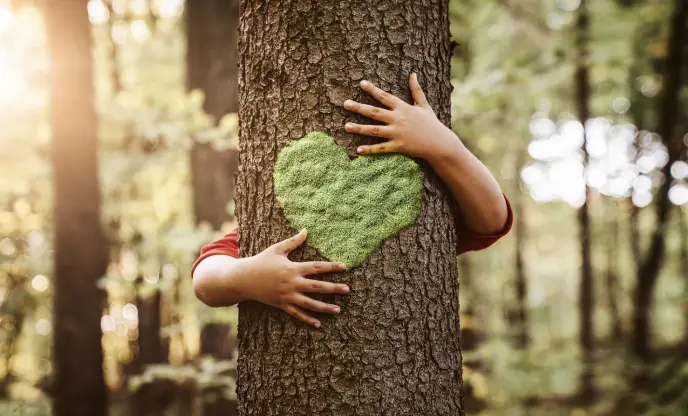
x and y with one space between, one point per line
349 207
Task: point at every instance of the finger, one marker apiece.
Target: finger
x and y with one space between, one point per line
301 315
417 92
370 111
369 130
315 305
316 286
383 97
388 147
316 267
286 246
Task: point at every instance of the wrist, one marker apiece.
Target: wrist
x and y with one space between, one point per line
240 283
448 156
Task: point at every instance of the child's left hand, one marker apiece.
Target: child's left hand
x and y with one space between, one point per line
412 129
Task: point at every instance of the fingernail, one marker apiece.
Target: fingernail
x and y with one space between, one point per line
303 231
414 75
336 309
341 266
348 125
316 324
360 150
348 103
345 289
364 83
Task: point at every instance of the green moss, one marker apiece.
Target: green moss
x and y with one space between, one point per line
348 207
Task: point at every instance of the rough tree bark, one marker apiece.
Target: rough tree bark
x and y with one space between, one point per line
212 60
394 350
668 118
586 302
80 247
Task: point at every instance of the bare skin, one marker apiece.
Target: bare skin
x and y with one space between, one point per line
271 278
413 129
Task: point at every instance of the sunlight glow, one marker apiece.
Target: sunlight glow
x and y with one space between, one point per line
6 18
129 312
44 327
107 324
678 194
12 82
615 167
139 7
168 9
98 12
40 283
679 170
139 30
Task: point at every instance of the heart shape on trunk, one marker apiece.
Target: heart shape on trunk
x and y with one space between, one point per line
349 207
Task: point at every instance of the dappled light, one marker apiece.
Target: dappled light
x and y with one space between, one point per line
577 108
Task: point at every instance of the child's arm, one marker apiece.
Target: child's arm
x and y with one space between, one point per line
269 277
413 129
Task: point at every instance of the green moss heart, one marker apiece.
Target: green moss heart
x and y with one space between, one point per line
349 207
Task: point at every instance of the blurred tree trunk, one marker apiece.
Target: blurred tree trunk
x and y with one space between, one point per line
152 398
395 347
668 118
212 60
586 295
612 277
471 336
80 246
522 334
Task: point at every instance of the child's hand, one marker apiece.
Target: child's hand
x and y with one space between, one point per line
411 129
271 278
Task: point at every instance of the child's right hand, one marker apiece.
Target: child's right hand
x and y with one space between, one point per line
271 278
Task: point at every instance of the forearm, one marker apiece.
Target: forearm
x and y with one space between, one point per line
477 193
216 281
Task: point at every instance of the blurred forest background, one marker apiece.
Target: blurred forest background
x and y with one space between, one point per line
581 310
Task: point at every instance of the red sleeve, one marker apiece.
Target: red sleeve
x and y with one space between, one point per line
469 240
226 246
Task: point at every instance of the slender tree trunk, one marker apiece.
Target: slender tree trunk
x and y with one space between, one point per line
394 350
212 68
80 247
212 60
522 334
152 398
668 117
471 334
612 278
587 294
683 218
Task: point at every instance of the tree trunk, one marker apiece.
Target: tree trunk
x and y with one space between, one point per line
212 60
212 68
394 350
522 333
152 398
668 117
80 247
586 301
612 278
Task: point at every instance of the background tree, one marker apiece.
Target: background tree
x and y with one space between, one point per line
212 61
80 248
299 62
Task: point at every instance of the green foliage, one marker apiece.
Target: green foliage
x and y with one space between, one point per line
24 409
348 207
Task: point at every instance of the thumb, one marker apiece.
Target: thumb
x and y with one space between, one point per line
286 246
